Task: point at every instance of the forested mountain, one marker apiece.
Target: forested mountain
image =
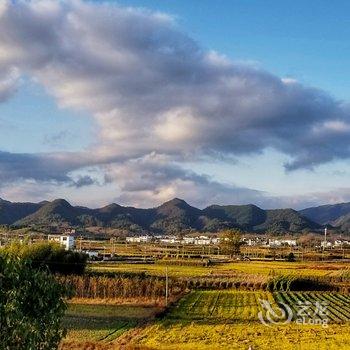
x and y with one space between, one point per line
173 216
326 214
11 212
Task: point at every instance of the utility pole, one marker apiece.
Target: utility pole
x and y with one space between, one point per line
166 286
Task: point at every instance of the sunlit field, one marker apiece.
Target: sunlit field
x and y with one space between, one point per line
222 318
192 335
229 320
102 323
250 267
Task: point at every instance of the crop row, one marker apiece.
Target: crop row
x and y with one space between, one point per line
230 306
126 287
334 307
240 306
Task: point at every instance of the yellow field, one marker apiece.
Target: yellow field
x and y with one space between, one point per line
207 320
250 267
229 320
253 336
100 324
288 268
212 319
154 269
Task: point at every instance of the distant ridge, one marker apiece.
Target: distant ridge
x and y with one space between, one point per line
337 215
326 213
171 217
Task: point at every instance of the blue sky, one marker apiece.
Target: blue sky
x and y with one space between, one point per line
308 41
107 138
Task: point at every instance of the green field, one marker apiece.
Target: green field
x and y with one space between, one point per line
218 317
337 306
225 319
217 306
229 320
102 323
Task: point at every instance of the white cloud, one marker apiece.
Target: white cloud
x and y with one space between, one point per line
151 88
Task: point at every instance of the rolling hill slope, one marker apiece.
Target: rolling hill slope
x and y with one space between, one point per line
326 214
171 217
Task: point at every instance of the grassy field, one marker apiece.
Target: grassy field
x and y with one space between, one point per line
100 323
217 306
154 269
229 320
337 306
209 320
255 336
288 268
248 267
217 318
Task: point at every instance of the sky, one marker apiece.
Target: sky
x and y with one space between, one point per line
137 102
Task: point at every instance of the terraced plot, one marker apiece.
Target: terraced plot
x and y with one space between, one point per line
89 323
228 306
229 320
334 307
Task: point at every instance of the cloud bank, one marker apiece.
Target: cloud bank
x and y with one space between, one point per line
158 99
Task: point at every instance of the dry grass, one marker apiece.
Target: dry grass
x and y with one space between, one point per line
145 301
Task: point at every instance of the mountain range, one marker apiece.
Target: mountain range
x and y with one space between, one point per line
171 217
336 215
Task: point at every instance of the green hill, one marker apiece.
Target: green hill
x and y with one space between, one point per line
171 217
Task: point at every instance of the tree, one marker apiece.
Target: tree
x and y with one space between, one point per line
310 240
290 257
49 255
32 305
231 242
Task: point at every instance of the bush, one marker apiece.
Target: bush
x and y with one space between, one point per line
285 283
49 255
31 307
290 257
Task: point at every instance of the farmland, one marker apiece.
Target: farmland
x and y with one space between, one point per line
228 306
102 323
229 320
251 267
225 316
175 335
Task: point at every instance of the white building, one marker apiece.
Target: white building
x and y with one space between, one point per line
139 239
188 240
200 240
65 240
279 243
326 244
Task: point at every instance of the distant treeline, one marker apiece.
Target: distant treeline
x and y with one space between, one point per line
49 256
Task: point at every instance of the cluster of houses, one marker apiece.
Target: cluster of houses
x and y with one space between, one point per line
208 240
68 241
336 244
272 242
212 240
171 239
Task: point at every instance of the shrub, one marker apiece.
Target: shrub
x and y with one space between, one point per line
49 255
287 283
31 307
290 257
